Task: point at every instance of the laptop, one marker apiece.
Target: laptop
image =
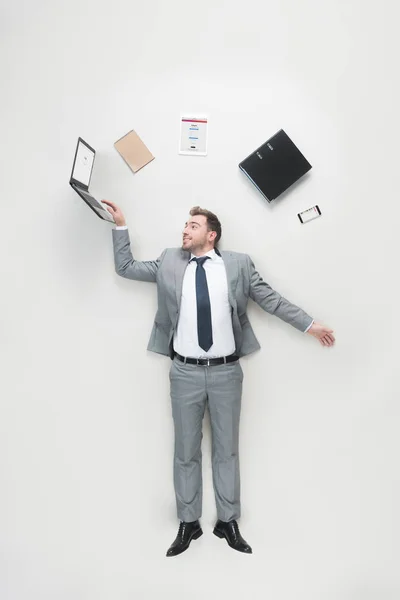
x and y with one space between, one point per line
80 179
275 166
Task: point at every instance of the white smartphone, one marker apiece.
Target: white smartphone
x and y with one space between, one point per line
309 214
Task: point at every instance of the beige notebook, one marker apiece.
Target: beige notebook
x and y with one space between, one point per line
133 151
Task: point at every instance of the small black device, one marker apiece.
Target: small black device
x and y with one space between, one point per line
275 165
80 178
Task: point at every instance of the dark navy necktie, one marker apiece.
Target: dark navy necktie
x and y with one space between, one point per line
204 328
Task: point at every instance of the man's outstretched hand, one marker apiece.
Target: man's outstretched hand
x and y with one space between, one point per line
322 333
116 212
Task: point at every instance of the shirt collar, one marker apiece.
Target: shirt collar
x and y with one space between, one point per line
212 254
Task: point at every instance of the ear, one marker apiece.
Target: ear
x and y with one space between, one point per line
212 235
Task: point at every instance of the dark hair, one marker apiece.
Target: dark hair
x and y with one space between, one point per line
213 223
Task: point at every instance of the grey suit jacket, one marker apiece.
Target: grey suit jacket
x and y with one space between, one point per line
243 283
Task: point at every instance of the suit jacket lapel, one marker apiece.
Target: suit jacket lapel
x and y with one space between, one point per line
231 267
180 267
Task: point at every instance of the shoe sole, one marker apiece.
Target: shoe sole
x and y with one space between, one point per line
219 534
197 535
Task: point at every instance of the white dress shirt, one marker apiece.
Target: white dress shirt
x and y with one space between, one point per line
185 337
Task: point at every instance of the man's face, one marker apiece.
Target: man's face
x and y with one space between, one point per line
196 237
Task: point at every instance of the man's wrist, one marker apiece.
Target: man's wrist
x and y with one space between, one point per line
309 327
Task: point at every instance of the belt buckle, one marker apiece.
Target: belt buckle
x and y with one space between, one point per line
202 364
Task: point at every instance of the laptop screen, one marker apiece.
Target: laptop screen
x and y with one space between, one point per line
83 164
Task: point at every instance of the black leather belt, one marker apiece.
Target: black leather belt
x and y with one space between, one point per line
207 362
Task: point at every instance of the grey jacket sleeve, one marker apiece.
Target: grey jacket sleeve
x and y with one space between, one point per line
126 265
274 303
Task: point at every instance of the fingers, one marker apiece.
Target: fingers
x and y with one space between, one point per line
326 336
111 204
327 340
111 207
329 337
326 331
110 210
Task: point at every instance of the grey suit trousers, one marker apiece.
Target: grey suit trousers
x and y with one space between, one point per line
192 388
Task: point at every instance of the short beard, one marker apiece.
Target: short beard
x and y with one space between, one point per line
194 249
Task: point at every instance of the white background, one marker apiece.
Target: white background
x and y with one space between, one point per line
87 509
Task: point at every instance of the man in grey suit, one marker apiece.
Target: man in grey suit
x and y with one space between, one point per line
202 325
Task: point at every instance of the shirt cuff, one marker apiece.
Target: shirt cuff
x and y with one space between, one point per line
305 331
121 227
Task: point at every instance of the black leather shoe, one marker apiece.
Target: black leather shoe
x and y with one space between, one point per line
230 531
186 533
